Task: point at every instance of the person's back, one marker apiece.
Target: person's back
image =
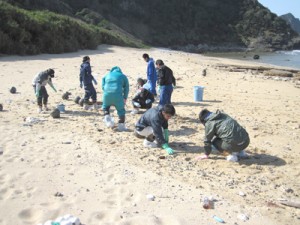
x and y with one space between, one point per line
86 73
225 128
114 82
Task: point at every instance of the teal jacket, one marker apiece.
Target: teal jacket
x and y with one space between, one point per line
222 126
115 83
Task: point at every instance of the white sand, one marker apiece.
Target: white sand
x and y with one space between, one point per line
105 176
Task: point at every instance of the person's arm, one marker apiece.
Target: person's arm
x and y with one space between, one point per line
37 89
125 88
209 134
173 80
103 83
51 85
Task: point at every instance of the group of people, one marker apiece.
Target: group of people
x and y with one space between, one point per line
222 132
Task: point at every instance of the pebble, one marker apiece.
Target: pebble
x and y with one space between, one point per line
150 197
243 217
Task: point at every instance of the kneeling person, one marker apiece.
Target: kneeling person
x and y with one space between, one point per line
142 100
154 126
223 133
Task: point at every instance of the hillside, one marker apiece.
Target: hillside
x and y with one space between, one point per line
192 25
292 21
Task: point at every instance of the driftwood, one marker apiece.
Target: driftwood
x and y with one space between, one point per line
289 203
267 71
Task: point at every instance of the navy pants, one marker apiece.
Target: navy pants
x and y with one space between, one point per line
90 92
43 95
165 94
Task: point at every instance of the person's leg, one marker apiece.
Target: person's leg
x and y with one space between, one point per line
38 99
120 107
45 96
163 95
169 90
153 87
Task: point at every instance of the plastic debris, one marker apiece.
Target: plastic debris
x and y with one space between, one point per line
218 219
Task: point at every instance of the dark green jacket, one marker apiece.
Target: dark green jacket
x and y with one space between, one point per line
222 126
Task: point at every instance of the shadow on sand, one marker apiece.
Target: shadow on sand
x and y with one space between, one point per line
263 159
185 147
183 131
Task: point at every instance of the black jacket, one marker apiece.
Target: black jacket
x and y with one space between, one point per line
165 76
141 98
154 118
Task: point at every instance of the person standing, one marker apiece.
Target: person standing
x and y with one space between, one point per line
115 88
86 80
223 133
39 85
153 125
166 81
151 73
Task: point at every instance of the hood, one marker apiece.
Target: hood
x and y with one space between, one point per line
213 116
116 69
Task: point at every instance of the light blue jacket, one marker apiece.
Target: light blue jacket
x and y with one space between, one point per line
116 83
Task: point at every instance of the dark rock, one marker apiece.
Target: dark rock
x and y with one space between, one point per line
66 95
1 107
256 57
13 90
55 113
77 99
81 101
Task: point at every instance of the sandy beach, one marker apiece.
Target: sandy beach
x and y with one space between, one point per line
76 165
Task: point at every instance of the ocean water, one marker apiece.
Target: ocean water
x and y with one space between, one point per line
280 58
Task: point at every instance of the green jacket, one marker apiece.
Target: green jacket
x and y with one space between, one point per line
222 126
116 83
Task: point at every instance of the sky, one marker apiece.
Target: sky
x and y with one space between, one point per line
281 7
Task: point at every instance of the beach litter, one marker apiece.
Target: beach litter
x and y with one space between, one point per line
32 120
243 217
63 220
150 197
218 219
295 204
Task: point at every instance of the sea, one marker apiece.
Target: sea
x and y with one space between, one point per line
279 58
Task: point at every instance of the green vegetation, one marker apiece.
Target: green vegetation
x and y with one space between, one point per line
33 32
38 26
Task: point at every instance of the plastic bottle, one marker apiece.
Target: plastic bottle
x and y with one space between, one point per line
206 203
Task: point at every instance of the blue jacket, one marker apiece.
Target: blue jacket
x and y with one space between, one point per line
86 76
115 82
151 71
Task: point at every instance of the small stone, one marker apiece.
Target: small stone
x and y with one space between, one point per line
58 194
150 197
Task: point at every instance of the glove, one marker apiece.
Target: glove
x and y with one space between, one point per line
174 86
37 94
167 148
166 131
148 101
95 82
54 89
80 85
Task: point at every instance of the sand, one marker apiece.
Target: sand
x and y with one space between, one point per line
75 165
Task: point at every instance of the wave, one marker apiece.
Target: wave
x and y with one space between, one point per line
294 52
